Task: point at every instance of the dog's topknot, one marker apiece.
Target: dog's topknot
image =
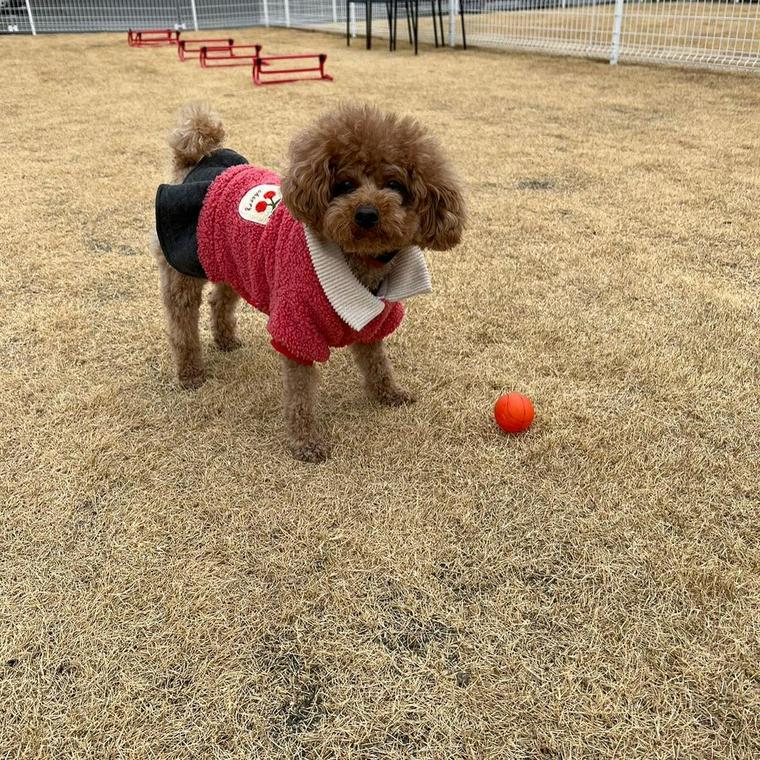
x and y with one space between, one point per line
199 132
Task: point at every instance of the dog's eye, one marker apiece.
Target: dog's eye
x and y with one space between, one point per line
396 186
344 187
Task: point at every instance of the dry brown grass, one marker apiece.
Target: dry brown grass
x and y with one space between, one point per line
173 585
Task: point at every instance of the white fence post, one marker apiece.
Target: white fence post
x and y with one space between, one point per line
452 22
616 29
352 18
31 18
266 13
287 13
335 11
195 15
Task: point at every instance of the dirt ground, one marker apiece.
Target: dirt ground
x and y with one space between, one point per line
173 585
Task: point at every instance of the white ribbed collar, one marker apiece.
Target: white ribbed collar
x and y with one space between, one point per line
353 303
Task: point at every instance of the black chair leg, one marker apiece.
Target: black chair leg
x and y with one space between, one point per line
416 23
461 18
391 31
368 17
435 23
348 22
408 21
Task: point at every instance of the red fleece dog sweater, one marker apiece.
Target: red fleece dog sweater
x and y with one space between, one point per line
248 239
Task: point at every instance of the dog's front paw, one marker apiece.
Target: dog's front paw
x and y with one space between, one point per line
394 396
314 451
192 379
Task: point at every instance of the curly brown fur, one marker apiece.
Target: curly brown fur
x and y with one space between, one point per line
181 297
373 151
348 161
198 133
376 367
300 383
223 301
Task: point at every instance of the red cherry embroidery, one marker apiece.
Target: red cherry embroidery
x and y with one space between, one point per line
269 194
261 206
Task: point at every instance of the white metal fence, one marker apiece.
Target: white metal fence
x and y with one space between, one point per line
720 34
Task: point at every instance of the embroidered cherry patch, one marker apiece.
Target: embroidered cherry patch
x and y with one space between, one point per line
258 204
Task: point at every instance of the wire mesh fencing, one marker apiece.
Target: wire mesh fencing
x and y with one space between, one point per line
714 33
709 33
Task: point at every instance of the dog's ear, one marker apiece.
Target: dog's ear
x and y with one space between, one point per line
307 184
440 203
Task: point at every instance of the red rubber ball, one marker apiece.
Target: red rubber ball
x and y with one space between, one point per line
514 412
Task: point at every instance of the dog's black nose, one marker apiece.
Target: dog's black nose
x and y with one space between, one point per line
367 216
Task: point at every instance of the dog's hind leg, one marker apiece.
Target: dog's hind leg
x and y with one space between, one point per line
223 301
181 296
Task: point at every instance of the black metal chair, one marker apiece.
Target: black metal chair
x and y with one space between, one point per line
412 12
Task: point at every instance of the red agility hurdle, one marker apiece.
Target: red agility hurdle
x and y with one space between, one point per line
228 55
152 37
260 62
192 48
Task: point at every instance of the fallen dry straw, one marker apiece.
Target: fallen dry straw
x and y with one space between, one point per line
173 585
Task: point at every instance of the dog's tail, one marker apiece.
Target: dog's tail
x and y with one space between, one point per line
199 132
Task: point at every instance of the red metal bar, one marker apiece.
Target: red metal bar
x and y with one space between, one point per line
152 37
260 62
184 51
227 55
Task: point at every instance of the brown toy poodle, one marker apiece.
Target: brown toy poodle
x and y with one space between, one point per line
328 252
